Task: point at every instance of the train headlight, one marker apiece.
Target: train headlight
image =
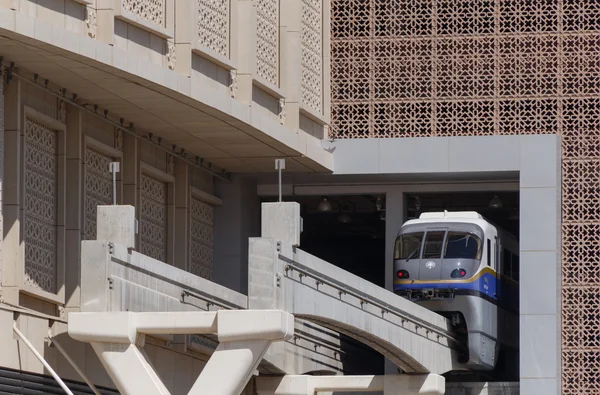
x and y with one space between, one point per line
402 274
458 273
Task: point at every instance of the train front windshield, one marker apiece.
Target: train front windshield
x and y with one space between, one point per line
457 245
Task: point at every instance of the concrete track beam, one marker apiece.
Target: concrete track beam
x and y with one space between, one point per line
426 384
244 337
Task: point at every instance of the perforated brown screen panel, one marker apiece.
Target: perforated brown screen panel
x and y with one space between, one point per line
420 68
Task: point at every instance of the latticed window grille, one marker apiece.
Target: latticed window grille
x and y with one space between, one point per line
41 205
267 40
202 215
153 218
312 54
213 25
98 188
153 11
420 68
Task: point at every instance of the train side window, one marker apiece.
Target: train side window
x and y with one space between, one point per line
489 252
506 269
515 267
433 245
496 254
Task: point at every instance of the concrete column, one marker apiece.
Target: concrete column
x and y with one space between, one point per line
246 48
117 224
2 120
131 174
540 263
12 248
74 210
244 337
291 60
394 218
171 225
235 360
105 21
237 219
182 223
185 17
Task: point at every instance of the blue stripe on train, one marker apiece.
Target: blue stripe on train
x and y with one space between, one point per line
486 284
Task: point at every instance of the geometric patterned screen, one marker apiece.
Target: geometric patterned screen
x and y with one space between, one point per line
201 238
267 40
98 188
153 11
41 180
312 54
153 218
213 25
420 68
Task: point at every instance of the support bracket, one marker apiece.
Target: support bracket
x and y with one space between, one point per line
244 337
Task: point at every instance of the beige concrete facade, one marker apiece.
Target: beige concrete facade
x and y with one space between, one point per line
179 93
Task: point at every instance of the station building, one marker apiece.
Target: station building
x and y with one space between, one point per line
382 110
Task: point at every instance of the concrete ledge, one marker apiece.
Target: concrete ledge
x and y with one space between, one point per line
229 325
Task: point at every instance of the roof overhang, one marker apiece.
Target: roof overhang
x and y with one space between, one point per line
184 111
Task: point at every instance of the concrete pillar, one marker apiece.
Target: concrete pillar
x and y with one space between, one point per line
117 224
130 171
291 60
244 337
394 218
75 190
12 248
246 48
105 20
281 221
182 223
2 120
237 219
184 31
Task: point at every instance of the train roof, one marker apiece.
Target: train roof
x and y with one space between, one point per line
451 214
471 217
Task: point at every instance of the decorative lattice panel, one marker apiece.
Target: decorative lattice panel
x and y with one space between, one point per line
267 40
312 54
213 25
153 221
41 179
98 188
420 68
202 238
150 10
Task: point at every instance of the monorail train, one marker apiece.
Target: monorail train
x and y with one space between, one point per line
463 267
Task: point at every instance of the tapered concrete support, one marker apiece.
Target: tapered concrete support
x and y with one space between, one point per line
244 337
124 362
234 360
428 384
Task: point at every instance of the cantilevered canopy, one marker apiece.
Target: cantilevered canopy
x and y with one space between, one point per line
185 111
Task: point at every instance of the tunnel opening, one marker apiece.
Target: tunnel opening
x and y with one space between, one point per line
349 231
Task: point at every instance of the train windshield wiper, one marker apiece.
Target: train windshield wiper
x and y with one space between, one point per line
411 255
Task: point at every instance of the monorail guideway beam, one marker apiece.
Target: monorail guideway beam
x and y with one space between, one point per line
244 337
